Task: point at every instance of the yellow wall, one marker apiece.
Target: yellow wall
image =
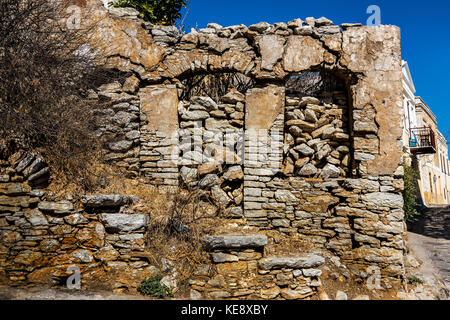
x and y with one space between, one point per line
436 191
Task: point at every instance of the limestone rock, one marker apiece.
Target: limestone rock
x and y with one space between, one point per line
302 53
40 176
233 97
220 257
194 115
330 171
209 167
120 36
49 245
259 27
308 170
270 293
234 173
306 261
25 162
234 212
220 197
92 236
209 181
206 102
60 207
123 118
340 295
383 199
36 218
290 294
107 253
120 146
124 222
101 201
37 165
84 256
189 175
286 196
312 272
14 189
76 219
234 241
271 48
305 149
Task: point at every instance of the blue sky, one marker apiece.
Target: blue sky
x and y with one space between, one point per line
425 29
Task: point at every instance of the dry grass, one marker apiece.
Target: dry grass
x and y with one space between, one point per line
283 244
333 280
179 218
95 178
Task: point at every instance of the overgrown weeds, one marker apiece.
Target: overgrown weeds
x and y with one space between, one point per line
179 218
47 72
410 193
153 287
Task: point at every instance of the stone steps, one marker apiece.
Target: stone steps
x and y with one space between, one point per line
242 270
235 242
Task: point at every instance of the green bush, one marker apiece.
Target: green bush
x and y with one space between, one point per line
153 287
410 194
414 280
163 12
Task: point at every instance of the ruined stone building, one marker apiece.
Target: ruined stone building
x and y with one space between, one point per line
306 142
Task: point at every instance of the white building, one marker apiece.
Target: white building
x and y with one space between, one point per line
409 104
424 145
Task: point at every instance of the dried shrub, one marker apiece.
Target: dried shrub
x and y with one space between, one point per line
313 83
179 218
47 72
215 85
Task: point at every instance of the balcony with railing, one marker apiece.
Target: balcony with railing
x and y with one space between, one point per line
422 141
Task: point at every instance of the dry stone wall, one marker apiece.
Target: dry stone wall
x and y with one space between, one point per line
41 237
240 269
323 165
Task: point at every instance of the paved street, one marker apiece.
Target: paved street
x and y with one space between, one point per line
429 240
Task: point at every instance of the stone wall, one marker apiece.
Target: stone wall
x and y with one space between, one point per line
240 269
322 165
41 237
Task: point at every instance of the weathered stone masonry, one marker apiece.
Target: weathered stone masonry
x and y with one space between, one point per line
42 237
332 172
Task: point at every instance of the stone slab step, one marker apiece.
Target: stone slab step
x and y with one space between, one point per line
102 201
292 262
234 241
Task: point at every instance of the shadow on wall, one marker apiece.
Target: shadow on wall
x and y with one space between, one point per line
434 221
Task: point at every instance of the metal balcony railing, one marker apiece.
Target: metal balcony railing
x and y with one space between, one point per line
422 141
